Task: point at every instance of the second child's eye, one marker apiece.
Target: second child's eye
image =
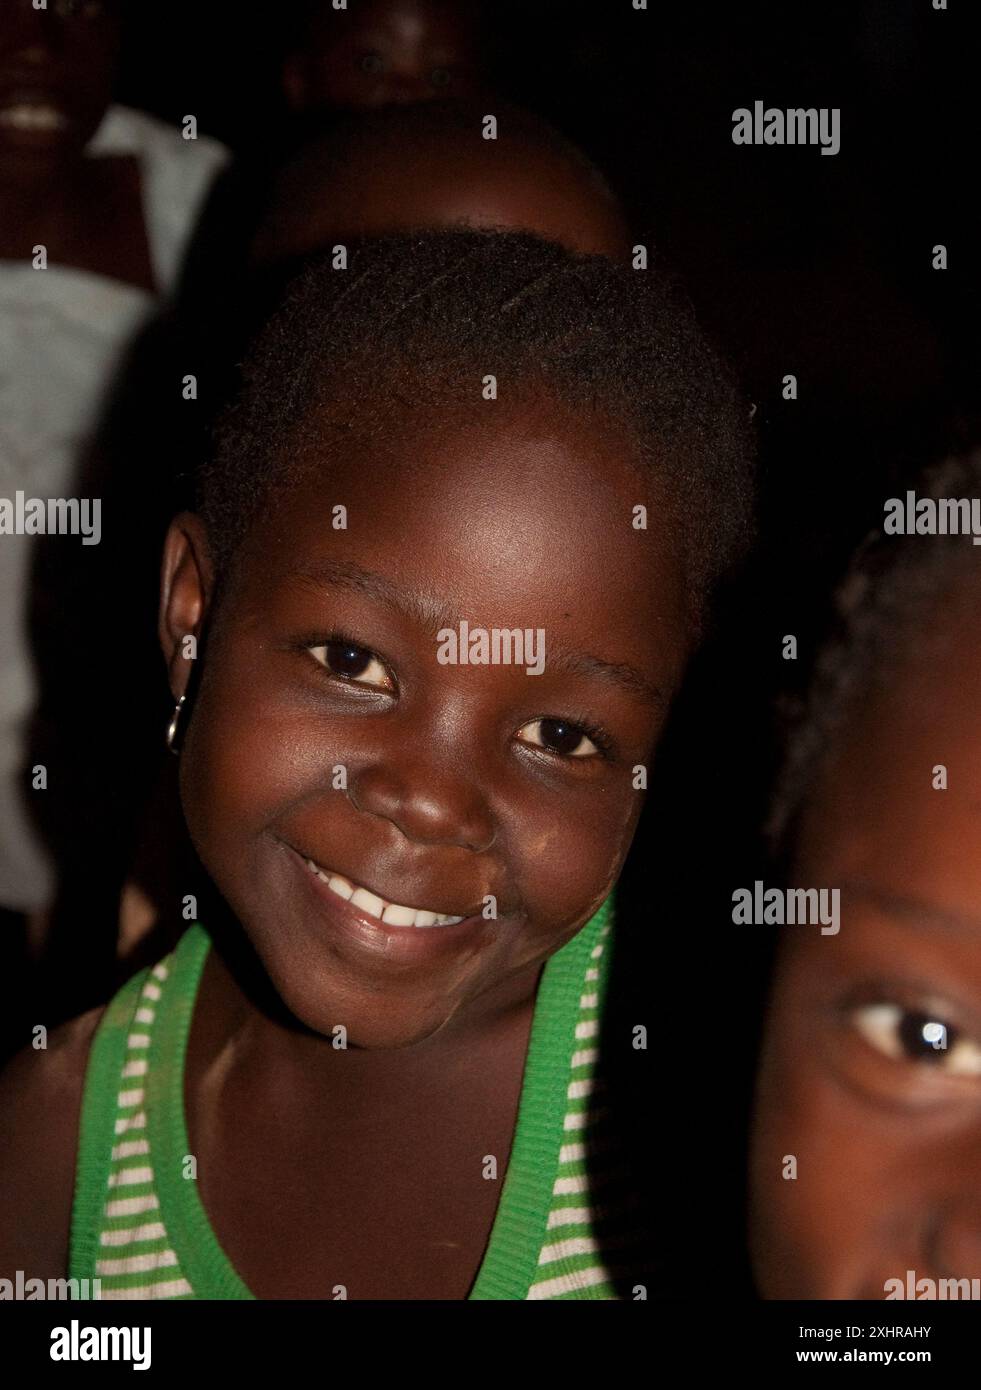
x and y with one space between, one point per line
910 1035
558 736
352 663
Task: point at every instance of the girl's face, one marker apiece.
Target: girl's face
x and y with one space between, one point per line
329 727
871 1074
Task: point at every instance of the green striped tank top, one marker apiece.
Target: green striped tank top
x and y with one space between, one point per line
563 1228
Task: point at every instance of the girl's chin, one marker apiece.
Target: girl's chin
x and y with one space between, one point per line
352 1019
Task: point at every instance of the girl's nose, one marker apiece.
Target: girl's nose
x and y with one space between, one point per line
428 804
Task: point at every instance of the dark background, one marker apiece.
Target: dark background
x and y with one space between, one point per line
802 263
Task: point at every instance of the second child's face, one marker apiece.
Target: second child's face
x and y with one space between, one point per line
329 725
871 1074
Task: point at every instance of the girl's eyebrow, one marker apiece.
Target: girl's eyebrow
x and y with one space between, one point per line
908 909
424 609
431 614
619 673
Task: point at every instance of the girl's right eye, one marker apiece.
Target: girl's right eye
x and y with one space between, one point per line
352 663
371 63
912 1035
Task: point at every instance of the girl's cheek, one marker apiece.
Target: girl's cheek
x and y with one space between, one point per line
570 862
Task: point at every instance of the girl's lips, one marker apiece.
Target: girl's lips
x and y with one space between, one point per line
392 914
405 945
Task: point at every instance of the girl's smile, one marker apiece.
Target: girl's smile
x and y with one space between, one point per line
392 914
356 928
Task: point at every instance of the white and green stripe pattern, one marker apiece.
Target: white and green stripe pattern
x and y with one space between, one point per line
135 1258
592 1211
565 1223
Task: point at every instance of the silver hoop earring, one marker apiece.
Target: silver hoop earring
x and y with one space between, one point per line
172 726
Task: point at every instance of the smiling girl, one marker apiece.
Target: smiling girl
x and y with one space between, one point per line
370 1068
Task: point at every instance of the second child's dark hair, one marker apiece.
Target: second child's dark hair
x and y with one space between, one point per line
409 332
892 590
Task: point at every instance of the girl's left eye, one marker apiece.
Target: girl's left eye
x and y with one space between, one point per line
909 1035
559 736
352 663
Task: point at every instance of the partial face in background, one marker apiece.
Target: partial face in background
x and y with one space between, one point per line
871 1073
56 76
463 780
383 53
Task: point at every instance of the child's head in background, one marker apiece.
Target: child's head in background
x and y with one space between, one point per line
430 165
399 169
462 428
871 1072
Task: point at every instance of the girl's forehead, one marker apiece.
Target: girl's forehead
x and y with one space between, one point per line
521 526
511 496
522 453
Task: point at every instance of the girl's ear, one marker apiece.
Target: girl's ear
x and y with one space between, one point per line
186 583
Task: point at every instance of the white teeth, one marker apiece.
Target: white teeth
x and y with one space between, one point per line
27 116
399 916
369 901
393 914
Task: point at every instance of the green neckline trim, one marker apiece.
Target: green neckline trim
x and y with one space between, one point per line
510 1261
97 1125
518 1233
201 1259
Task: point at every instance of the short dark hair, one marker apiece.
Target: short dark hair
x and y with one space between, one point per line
415 323
892 584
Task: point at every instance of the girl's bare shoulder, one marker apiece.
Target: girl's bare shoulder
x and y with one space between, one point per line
40 1102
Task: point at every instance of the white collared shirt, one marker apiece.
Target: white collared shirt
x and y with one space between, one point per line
63 333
